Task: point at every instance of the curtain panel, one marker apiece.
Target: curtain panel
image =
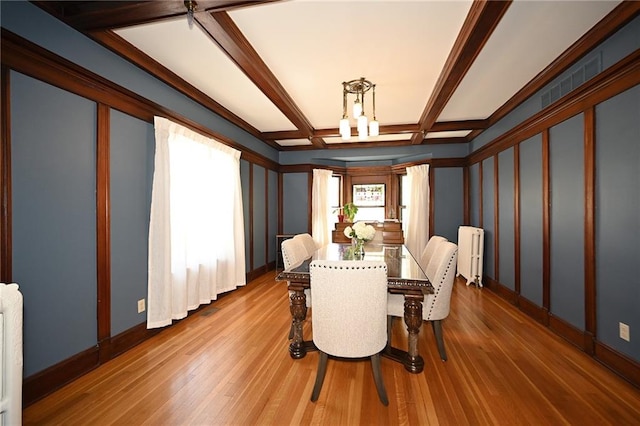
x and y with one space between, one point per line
320 206
417 226
196 230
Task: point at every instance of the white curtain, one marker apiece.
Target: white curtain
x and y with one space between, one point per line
417 226
196 230
320 206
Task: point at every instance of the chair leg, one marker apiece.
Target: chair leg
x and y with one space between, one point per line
291 331
437 330
377 376
389 327
322 369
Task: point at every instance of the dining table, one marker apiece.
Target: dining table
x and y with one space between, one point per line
404 276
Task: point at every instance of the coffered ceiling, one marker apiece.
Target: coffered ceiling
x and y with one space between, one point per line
444 70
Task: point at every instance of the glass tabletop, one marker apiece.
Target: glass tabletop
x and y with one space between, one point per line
401 265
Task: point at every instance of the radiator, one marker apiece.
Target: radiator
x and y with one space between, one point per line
11 354
470 251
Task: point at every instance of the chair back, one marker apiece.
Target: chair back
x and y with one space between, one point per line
443 263
349 307
429 250
308 242
293 253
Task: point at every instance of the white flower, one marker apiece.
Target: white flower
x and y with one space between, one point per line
361 231
347 232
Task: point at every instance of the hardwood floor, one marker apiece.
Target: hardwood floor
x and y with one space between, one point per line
229 364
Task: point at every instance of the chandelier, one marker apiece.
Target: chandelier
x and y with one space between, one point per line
365 128
191 6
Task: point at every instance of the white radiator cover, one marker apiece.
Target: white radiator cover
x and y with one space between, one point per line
470 252
11 354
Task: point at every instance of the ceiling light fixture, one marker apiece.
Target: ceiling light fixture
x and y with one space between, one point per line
191 7
358 87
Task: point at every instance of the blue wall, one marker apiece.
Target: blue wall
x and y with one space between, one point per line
618 219
488 216
448 206
54 225
295 204
531 230
132 150
566 156
506 271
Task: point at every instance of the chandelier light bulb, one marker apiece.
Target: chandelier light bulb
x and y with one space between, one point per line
374 128
345 129
357 108
362 127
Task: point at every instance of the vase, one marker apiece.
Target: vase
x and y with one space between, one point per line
358 248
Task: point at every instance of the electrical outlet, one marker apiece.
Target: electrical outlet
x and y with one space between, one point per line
624 332
141 306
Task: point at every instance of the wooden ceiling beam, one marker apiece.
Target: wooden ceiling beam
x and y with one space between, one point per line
482 19
99 15
227 35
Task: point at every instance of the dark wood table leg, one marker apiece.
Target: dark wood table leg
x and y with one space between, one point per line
411 359
413 318
298 306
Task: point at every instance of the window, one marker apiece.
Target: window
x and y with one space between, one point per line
370 200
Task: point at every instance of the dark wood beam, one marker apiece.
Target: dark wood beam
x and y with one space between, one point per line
482 19
97 15
227 35
616 19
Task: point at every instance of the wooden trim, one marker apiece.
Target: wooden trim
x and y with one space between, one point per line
516 217
227 35
432 199
6 274
103 231
616 19
310 202
501 290
546 223
34 61
531 309
129 338
590 304
626 367
610 82
496 217
466 195
567 331
250 219
280 203
267 246
480 195
41 384
481 21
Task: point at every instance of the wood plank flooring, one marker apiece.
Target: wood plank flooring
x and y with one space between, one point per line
228 364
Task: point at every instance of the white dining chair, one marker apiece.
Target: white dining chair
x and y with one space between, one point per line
308 242
441 273
346 324
429 250
293 254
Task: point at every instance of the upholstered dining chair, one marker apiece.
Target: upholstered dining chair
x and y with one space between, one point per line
349 314
308 242
293 254
429 249
441 272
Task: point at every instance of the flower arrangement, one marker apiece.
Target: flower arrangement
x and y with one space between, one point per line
360 231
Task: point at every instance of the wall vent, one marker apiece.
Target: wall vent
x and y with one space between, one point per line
575 78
